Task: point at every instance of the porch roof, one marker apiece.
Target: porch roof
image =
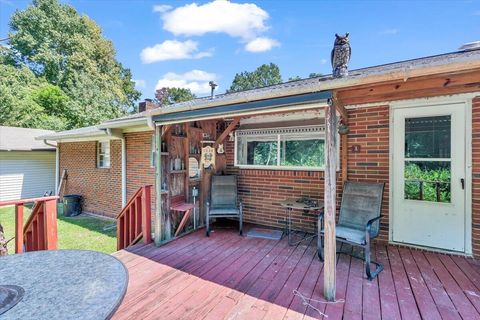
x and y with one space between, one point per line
238 109
439 64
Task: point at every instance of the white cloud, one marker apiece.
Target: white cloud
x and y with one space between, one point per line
173 50
261 44
195 80
140 83
245 21
391 31
323 61
161 8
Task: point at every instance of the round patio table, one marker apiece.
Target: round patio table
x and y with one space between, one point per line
64 284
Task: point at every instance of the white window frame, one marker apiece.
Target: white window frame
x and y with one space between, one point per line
153 159
279 132
106 154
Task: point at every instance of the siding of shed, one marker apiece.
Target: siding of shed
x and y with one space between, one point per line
26 174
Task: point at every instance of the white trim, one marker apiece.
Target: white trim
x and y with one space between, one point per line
124 172
464 98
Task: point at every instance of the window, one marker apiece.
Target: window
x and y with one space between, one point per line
281 148
152 152
103 154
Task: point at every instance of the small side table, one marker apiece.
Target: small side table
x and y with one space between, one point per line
304 204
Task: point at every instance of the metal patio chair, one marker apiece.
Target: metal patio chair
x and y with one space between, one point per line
224 201
359 220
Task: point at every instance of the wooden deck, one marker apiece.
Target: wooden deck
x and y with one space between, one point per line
231 277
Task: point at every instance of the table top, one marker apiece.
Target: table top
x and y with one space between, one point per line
65 284
302 204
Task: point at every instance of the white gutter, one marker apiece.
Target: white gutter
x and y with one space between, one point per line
57 163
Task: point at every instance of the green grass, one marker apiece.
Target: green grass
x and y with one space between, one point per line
81 232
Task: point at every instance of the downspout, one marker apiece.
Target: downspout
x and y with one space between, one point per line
124 172
123 165
57 163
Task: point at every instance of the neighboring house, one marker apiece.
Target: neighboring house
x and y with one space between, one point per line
27 166
414 125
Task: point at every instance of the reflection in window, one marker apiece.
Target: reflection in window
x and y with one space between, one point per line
427 181
298 147
297 152
427 137
262 153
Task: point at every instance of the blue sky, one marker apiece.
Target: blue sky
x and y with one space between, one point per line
186 44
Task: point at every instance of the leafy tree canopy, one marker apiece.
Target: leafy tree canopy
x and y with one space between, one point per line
166 96
265 75
59 72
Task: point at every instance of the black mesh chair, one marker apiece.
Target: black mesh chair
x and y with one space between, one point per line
224 201
359 220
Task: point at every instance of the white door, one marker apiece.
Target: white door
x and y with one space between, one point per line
429 176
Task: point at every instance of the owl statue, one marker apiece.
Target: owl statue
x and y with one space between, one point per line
340 56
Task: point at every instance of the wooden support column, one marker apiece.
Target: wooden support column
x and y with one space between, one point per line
330 251
343 138
159 234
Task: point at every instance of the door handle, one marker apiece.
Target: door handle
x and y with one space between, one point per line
462 181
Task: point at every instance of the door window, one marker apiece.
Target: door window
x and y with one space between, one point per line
427 169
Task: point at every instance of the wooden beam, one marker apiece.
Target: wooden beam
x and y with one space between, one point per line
225 133
166 129
344 157
330 252
158 186
340 108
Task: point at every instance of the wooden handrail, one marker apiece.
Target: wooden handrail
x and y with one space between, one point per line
134 221
23 201
40 231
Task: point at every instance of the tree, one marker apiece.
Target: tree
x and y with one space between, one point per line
166 96
67 70
295 78
265 75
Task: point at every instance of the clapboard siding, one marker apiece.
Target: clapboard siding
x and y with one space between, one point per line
26 174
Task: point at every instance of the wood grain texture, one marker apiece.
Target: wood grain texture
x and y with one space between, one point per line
330 202
227 276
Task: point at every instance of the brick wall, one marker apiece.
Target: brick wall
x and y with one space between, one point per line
369 128
262 190
100 187
139 170
476 176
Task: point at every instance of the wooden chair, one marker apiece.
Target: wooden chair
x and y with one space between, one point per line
359 220
224 201
178 204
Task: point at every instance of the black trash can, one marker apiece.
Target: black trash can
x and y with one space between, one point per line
72 205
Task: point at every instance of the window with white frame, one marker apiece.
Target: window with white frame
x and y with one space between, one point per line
281 148
103 154
152 152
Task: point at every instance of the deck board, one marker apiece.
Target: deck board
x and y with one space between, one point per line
227 276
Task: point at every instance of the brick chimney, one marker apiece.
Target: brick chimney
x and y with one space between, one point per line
148 104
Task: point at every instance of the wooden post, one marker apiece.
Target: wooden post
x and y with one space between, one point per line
50 224
147 214
330 252
19 228
158 186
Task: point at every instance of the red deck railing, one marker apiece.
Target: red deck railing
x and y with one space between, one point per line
134 221
40 231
